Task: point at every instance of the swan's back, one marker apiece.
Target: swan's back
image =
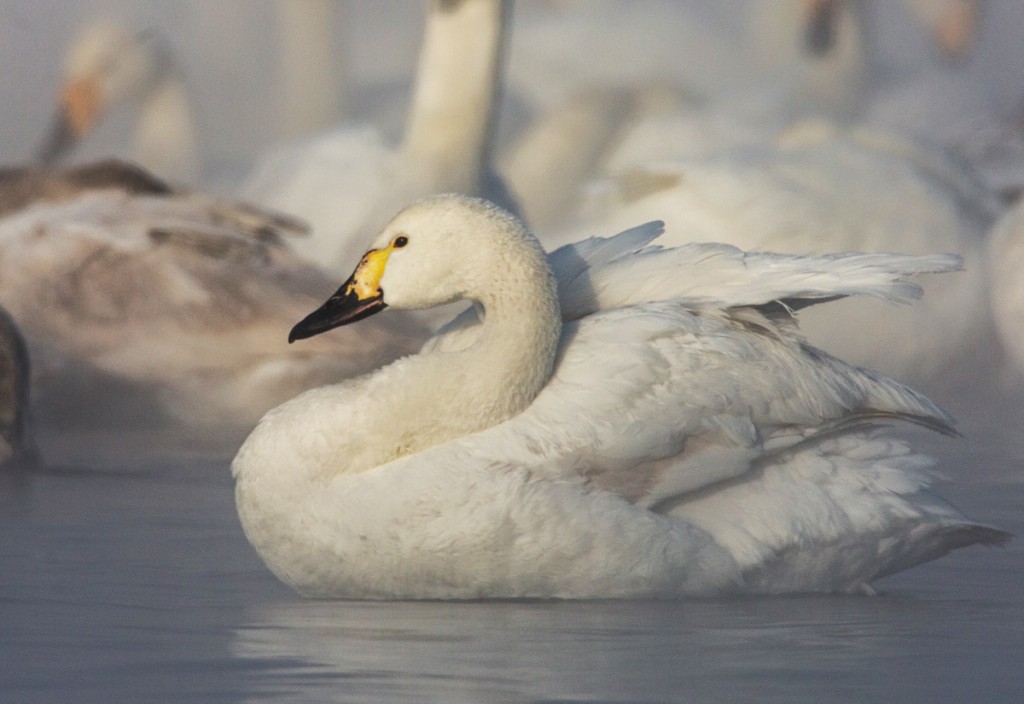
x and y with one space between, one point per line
184 299
21 187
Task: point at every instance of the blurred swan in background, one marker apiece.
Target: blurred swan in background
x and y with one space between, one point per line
168 308
737 84
953 24
1005 264
816 50
619 421
820 188
312 77
108 67
831 42
800 59
17 444
22 187
346 183
926 87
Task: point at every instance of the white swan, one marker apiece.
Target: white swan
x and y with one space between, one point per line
161 308
108 67
641 422
446 146
821 188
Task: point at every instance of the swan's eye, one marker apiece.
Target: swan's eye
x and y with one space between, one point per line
400 242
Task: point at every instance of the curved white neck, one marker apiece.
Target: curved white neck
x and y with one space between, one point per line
440 396
426 399
165 139
453 114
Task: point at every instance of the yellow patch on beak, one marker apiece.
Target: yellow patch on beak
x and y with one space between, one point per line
80 101
366 278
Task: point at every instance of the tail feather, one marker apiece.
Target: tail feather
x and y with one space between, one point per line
834 515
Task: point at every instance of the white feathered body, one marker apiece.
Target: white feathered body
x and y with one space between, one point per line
688 443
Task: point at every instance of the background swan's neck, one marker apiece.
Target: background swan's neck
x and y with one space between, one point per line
453 113
311 71
165 140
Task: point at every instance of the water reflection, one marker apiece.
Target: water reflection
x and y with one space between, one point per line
782 649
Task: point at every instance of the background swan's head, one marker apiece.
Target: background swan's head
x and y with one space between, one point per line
438 250
107 65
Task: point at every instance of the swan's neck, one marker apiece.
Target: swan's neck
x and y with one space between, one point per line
453 114
440 396
512 358
423 400
311 80
165 140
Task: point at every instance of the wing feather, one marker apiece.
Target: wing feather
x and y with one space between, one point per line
657 400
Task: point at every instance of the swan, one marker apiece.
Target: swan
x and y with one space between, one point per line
828 28
800 59
815 49
620 421
17 444
952 25
160 308
816 188
446 145
108 67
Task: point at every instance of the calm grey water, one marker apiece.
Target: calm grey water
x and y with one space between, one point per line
134 583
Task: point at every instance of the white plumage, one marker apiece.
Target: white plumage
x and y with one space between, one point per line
654 428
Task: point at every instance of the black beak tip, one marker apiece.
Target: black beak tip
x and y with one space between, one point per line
339 310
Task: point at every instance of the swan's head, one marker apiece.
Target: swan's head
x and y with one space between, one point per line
105 66
436 251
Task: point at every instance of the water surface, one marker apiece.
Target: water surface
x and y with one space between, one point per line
135 583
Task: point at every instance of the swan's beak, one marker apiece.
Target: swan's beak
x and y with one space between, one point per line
820 17
80 107
359 297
